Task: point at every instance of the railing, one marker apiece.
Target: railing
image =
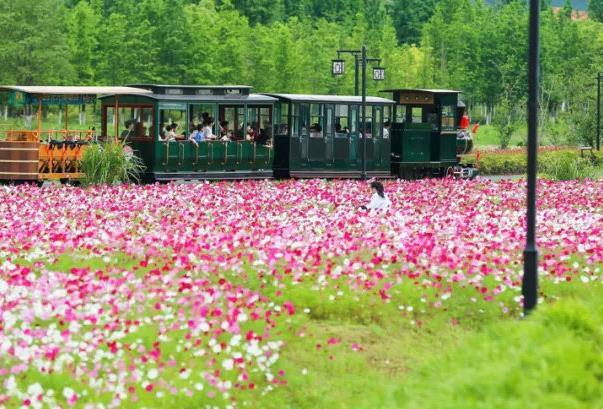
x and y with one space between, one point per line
13 135
211 153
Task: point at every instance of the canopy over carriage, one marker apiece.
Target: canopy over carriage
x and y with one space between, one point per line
32 150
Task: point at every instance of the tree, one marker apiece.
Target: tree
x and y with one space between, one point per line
409 16
34 44
82 29
595 10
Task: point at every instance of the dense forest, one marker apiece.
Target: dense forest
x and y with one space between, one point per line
286 45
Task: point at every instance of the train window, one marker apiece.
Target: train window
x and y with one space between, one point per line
281 125
232 122
259 120
417 115
316 120
448 117
198 114
354 119
378 122
172 117
135 122
400 114
329 121
387 113
295 120
368 123
342 126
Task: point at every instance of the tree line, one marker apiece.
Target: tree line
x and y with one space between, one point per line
287 45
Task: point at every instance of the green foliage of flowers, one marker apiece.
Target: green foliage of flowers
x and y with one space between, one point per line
109 163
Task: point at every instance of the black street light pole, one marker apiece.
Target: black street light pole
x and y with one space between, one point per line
356 66
599 76
529 287
363 129
360 59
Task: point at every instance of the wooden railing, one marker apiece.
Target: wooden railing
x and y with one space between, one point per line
49 135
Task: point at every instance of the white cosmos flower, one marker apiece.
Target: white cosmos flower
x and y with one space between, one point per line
152 374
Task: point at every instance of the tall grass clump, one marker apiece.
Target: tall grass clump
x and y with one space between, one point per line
109 163
553 359
569 167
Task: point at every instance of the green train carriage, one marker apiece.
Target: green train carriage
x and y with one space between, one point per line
305 135
426 136
321 136
185 106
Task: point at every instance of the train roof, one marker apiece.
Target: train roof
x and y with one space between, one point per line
62 90
250 98
330 98
426 90
158 86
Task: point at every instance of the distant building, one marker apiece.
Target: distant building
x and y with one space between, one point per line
577 15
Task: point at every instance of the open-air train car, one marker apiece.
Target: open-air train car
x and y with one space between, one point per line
33 148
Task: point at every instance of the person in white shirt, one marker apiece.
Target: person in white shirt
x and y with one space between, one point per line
208 126
169 134
379 200
386 127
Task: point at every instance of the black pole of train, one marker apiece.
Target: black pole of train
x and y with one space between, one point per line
363 129
599 111
356 73
529 287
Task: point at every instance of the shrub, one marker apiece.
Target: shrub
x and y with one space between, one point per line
109 163
568 167
514 161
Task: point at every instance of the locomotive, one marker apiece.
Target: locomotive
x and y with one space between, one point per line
412 134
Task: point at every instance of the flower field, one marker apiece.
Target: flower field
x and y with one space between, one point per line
253 294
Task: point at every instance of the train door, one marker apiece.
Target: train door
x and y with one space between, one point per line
328 134
342 139
377 136
366 141
304 134
316 142
354 126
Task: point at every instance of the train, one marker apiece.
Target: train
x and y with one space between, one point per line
407 133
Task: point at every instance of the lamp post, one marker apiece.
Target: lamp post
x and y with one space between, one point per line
360 59
599 77
529 286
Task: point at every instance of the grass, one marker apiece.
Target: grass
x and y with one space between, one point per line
487 136
356 352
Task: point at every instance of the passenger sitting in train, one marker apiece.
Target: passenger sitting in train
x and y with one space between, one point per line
369 131
197 135
265 134
169 134
251 134
225 133
315 131
129 131
208 126
386 127
342 132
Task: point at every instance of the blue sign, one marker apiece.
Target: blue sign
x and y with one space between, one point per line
61 99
